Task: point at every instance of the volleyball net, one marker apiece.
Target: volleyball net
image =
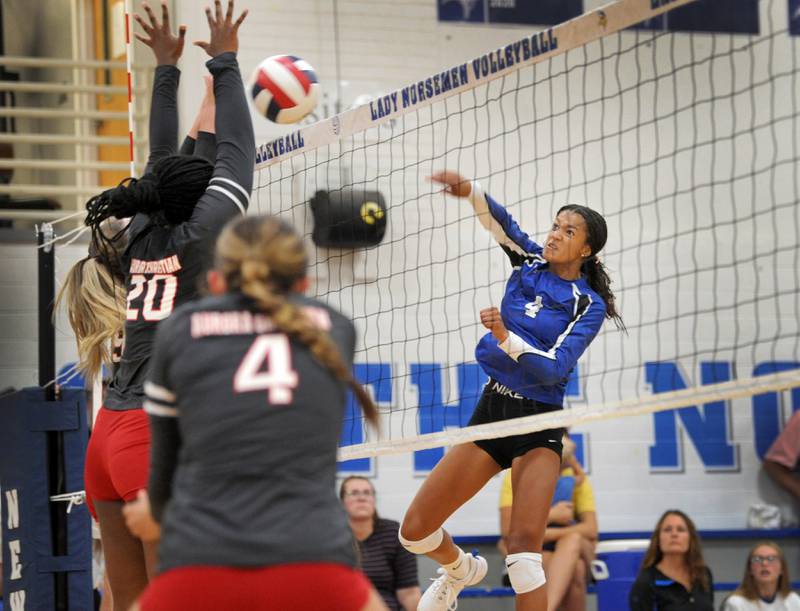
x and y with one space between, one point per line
686 143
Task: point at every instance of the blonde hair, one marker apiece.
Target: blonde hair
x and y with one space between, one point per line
263 258
95 303
748 588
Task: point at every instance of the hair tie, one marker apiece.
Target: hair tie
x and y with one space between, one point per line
254 270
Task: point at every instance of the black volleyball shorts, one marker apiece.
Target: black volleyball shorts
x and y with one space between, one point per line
498 403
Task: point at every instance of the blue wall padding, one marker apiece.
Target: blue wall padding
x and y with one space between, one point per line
26 419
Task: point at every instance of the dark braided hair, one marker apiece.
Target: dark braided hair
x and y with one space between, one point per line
592 267
167 195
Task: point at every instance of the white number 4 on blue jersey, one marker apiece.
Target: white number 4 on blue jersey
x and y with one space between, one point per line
532 308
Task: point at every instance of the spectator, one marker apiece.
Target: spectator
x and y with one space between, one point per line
674 576
782 461
766 582
570 537
387 564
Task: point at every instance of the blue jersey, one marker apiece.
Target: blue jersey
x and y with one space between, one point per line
550 321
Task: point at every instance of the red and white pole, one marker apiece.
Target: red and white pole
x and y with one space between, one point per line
129 62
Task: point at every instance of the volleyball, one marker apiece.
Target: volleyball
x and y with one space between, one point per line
284 88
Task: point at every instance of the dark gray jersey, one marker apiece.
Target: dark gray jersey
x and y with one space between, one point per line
164 265
245 424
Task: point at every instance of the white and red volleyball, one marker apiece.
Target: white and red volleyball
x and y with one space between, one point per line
284 88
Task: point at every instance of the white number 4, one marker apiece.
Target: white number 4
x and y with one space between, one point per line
279 378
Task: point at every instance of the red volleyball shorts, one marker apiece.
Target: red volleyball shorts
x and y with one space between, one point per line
118 457
286 587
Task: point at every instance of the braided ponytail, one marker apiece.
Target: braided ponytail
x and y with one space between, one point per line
598 278
263 257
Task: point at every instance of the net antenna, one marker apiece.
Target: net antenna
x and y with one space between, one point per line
687 144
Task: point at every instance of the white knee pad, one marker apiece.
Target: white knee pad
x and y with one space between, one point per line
423 546
525 571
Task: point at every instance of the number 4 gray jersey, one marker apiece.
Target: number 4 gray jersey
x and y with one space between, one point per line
245 425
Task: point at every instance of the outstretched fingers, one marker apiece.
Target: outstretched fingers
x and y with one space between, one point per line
223 29
150 15
141 22
240 19
164 17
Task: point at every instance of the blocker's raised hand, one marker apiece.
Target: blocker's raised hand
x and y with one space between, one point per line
166 46
224 30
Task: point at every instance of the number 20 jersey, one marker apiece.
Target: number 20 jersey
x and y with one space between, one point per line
164 265
163 271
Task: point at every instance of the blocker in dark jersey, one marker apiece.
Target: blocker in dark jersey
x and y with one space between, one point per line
164 265
245 425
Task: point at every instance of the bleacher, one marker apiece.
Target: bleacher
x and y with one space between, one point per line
724 550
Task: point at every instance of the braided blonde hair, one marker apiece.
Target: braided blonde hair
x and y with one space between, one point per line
95 303
263 258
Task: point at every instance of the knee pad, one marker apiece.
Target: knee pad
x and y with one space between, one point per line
525 571
423 546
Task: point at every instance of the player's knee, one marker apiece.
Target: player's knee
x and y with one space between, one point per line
521 540
421 545
415 527
571 541
525 571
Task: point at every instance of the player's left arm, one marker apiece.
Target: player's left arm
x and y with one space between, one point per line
228 193
548 367
161 405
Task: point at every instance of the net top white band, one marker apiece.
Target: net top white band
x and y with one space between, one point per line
530 50
634 406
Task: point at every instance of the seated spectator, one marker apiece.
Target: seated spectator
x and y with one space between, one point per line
570 537
674 576
766 582
387 564
782 461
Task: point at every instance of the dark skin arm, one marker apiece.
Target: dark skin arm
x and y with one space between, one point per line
166 46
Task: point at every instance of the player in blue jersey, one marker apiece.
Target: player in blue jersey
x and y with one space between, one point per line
176 208
556 300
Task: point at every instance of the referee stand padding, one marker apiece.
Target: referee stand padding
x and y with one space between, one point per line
29 565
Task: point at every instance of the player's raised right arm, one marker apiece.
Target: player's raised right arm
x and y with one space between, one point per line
167 48
491 215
